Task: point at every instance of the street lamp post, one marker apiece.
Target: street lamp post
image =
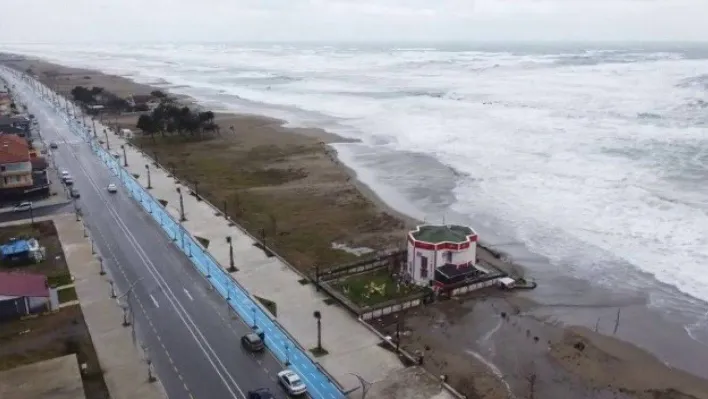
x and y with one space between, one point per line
318 317
108 143
125 157
32 213
253 309
232 267
93 121
113 289
147 168
128 307
182 218
102 272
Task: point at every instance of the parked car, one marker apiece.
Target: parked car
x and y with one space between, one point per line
69 180
53 145
23 206
112 188
74 193
291 382
261 393
64 174
253 342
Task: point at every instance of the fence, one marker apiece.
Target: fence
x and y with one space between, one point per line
284 347
361 266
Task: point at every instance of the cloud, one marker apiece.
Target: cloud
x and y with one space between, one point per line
352 20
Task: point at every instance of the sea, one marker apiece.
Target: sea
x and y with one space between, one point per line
586 163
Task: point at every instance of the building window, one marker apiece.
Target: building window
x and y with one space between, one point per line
423 267
448 256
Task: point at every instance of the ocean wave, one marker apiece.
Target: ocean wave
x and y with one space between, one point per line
587 157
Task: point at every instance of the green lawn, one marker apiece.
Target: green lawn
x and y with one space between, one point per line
67 294
373 288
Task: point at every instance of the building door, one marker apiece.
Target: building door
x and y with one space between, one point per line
423 267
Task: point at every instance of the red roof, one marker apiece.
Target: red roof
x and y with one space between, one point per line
19 284
13 149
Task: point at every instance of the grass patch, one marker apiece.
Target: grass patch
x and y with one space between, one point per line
162 202
59 280
329 301
291 191
67 294
49 336
268 304
203 241
54 264
375 287
136 176
319 352
304 281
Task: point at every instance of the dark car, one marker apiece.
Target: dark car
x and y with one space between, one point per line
253 342
53 145
262 393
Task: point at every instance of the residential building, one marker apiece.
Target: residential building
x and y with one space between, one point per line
441 255
15 164
19 251
25 294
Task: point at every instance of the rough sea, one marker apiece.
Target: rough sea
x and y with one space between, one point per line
587 163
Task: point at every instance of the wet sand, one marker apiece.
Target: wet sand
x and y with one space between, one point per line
484 354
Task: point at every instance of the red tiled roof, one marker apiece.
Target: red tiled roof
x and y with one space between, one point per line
19 284
13 149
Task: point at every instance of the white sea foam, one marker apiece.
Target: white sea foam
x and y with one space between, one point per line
595 159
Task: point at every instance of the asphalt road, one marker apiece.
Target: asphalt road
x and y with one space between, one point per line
48 210
192 338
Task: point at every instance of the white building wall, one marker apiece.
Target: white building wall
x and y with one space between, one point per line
415 263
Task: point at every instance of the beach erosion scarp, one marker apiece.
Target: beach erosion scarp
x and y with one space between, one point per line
377 227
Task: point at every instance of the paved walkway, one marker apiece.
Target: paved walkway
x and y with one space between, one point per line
352 347
124 369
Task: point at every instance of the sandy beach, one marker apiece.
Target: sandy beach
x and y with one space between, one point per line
490 345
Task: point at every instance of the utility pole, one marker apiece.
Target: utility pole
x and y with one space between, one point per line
147 168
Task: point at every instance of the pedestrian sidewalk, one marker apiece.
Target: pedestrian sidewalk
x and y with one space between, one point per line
123 365
352 347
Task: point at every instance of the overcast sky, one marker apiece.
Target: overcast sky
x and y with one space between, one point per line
352 20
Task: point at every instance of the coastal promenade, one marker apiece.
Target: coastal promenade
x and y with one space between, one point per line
353 349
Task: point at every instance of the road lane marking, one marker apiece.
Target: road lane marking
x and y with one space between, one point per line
142 255
132 241
190 296
157 305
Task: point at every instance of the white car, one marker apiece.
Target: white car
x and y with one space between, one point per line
64 174
291 382
24 206
112 188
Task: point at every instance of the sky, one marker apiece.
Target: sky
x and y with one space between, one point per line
96 21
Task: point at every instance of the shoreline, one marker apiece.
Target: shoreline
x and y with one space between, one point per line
521 302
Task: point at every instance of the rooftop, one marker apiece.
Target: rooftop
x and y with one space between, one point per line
13 149
60 379
445 233
15 247
21 284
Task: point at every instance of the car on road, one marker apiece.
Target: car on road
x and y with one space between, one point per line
64 174
253 342
69 180
23 206
74 193
292 382
112 188
261 393
53 145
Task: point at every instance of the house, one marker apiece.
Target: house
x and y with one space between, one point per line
21 251
25 294
15 165
442 255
